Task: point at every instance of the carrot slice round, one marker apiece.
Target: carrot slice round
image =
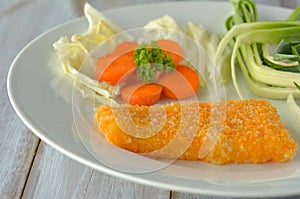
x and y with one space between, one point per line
125 47
141 93
181 84
172 48
112 68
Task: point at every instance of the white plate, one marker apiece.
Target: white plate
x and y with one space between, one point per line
50 117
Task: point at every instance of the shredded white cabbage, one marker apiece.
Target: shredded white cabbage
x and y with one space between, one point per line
72 54
209 42
195 41
77 53
164 27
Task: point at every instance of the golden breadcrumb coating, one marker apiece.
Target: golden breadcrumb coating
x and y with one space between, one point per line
251 131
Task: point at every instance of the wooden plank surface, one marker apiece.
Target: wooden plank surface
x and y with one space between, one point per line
52 175
56 176
19 24
30 168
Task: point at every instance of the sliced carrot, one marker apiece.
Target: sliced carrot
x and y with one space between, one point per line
172 48
141 93
181 84
103 63
112 68
125 47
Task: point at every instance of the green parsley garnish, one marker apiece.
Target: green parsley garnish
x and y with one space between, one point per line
150 59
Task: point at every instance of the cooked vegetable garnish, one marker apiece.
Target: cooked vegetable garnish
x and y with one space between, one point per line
295 15
141 94
73 53
297 85
100 78
171 49
293 110
126 47
181 84
265 76
114 68
150 59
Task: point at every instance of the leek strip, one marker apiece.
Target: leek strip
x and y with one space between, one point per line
245 11
284 57
235 53
249 27
248 38
260 36
256 53
276 60
293 110
267 75
272 35
257 88
249 10
263 90
295 15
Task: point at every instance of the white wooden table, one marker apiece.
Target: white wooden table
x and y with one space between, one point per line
29 168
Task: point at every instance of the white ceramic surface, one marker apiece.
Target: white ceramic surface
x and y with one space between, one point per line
50 117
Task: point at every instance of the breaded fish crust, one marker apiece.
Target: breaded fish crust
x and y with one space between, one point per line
237 131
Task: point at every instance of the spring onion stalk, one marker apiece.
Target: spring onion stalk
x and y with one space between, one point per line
247 28
288 51
295 15
261 89
261 72
243 29
276 61
249 38
293 108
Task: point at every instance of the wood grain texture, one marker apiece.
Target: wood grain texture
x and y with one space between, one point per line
49 174
19 24
16 159
53 175
105 186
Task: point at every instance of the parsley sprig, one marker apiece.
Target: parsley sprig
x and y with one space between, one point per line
150 59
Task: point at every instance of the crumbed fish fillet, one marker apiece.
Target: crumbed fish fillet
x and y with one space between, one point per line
234 131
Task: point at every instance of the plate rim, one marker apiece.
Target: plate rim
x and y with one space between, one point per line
99 166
